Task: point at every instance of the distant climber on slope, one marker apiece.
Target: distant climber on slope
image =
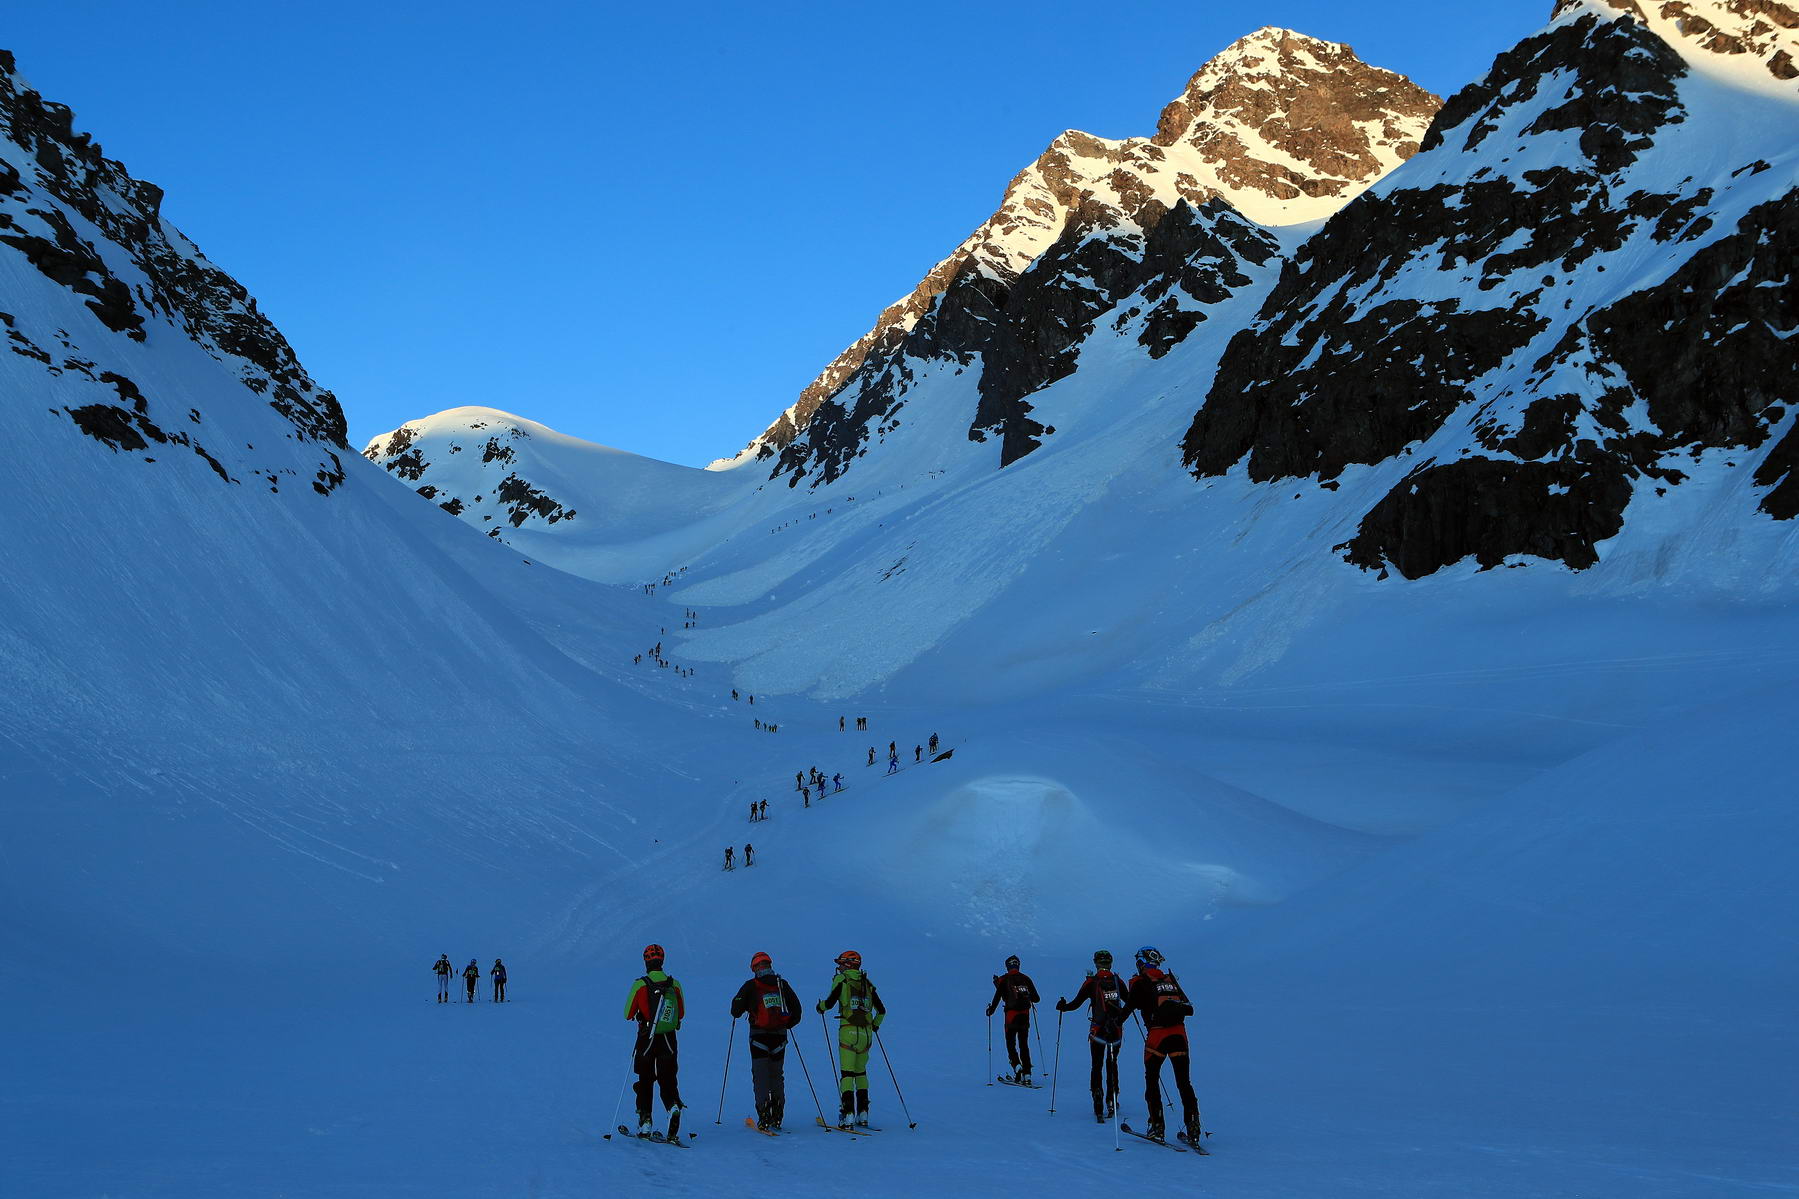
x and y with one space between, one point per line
443 970
498 975
1017 992
471 975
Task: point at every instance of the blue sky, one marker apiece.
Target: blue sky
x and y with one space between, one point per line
648 226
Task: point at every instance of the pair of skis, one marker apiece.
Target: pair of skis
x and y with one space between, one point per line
1011 1081
653 1138
855 1130
1186 1141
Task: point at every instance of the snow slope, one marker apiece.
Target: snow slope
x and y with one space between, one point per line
1478 880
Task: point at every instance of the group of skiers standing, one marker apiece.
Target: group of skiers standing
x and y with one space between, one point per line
1154 993
772 1009
471 977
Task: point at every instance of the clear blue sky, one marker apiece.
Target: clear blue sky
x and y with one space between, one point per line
648 226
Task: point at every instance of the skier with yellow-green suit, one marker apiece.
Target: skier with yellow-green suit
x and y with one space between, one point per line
859 1013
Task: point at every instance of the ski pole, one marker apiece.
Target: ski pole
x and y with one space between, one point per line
824 1030
607 1136
1056 1071
910 1122
731 1041
989 1048
808 1074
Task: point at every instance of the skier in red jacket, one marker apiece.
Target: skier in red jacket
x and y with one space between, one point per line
773 1008
1165 1007
1017 992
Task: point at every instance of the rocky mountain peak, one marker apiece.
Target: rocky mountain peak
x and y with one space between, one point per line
1284 128
1281 116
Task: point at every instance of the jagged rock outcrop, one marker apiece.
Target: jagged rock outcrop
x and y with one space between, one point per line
79 220
1277 129
1464 316
491 497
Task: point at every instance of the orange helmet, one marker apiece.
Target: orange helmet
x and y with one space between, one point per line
761 961
849 959
653 953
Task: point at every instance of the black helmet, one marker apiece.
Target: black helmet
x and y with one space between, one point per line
1102 957
1012 962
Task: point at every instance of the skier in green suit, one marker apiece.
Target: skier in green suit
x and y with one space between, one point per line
859 1013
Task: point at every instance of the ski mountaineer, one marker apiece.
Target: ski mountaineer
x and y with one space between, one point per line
443 970
1108 1008
892 762
1016 990
749 854
1165 1007
728 852
471 974
498 974
859 1015
656 1003
773 1008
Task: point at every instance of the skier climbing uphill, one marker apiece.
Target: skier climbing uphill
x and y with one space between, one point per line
471 975
443 970
1017 992
1158 995
1108 1007
656 1003
859 1013
773 1008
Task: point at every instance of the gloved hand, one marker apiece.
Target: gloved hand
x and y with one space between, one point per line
990 1009
821 1007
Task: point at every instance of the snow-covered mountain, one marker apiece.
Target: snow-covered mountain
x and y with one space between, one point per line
1479 879
1281 127
133 303
1578 296
1574 301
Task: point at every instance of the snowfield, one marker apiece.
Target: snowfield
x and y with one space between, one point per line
1481 882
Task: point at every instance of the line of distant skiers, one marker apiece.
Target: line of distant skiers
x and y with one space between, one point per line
768 1002
749 856
1153 993
471 977
893 761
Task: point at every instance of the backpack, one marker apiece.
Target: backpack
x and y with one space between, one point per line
499 973
1018 993
768 1011
1108 1004
1170 999
857 1002
664 1013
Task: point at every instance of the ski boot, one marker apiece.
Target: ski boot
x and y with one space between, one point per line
1190 1137
1099 1109
1156 1130
674 1123
846 1112
644 1126
775 1112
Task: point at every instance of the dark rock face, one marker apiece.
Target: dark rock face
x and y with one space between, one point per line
158 277
412 451
1381 332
